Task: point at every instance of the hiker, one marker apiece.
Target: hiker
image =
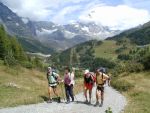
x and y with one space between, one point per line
69 83
89 80
101 77
53 79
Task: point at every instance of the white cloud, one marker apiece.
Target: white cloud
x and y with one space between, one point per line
34 9
116 17
68 11
61 16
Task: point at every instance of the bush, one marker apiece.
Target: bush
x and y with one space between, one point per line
101 62
9 59
133 67
1 62
78 74
146 61
124 57
28 65
121 85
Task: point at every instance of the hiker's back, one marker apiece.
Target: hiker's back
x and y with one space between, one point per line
89 78
99 78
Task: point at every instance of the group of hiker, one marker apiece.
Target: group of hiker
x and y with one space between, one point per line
90 78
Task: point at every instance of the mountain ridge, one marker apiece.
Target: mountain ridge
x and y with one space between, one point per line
49 34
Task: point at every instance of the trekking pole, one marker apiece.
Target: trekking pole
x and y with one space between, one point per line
62 91
75 96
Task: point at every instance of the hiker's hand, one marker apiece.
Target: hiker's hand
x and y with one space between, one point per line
62 81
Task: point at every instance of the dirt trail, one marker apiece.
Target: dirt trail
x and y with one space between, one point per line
113 99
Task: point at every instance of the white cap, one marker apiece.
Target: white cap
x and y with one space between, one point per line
49 68
86 71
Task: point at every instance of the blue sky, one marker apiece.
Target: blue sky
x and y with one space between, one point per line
117 14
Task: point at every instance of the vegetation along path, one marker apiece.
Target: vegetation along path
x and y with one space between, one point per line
113 99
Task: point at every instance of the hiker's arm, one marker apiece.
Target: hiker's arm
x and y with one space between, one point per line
72 78
105 76
57 76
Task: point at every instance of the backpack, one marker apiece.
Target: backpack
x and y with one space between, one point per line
88 78
103 70
55 77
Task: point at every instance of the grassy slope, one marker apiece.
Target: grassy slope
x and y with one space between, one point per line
107 49
31 86
138 96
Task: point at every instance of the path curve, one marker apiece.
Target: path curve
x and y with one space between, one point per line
113 99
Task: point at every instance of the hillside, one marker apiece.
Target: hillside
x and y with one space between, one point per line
108 49
32 45
21 86
135 87
139 35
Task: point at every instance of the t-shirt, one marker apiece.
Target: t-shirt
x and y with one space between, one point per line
52 78
67 78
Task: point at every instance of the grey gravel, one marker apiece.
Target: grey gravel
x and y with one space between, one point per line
113 99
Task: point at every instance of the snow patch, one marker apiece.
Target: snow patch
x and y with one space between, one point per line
45 31
48 31
17 24
85 29
9 17
25 20
69 34
76 25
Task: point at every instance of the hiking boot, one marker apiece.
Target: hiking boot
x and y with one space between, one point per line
101 104
86 102
96 104
49 101
59 99
89 102
67 102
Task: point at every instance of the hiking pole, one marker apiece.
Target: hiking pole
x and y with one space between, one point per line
62 90
75 97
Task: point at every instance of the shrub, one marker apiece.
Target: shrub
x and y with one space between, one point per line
133 67
28 65
121 85
78 73
9 59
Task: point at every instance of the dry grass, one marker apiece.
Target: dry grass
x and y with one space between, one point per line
139 95
20 86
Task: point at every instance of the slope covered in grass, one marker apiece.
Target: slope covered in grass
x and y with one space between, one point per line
20 86
138 92
106 49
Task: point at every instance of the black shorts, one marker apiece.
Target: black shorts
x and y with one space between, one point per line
53 87
100 88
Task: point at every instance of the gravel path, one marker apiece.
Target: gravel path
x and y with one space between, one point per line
112 99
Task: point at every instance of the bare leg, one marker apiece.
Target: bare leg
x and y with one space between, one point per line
97 96
55 91
90 95
49 94
85 93
102 98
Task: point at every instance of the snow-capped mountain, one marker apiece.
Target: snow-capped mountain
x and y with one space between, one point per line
58 37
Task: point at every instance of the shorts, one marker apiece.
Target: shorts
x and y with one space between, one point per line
53 85
100 88
88 86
